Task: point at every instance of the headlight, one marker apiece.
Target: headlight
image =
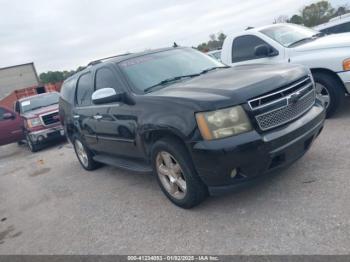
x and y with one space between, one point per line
33 122
346 64
223 123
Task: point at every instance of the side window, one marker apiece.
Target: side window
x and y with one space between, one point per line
105 78
243 48
84 90
2 112
342 28
67 90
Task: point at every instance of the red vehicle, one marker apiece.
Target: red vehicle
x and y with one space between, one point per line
37 118
11 126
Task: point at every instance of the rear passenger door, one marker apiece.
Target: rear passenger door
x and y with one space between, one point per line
83 114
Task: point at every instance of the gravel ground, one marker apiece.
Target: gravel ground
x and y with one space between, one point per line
50 205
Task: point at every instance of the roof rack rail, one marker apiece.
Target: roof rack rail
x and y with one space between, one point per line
95 62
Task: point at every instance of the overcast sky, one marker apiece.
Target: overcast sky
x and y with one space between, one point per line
63 34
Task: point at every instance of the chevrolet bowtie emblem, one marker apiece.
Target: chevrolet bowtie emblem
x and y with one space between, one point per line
292 99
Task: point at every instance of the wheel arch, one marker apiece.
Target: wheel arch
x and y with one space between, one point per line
151 136
330 73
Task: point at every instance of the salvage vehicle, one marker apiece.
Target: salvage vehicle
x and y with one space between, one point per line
327 56
41 119
11 126
201 127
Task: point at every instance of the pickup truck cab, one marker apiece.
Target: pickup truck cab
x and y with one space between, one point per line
11 126
41 119
200 126
327 56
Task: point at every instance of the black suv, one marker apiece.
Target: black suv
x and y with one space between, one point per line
199 125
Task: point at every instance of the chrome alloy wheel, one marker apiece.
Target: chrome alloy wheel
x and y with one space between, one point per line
323 94
171 175
82 155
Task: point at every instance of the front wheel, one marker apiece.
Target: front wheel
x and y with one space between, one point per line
32 147
329 91
176 175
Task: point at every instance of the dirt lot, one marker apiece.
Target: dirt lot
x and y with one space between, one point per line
50 205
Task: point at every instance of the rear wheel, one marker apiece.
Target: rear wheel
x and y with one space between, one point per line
176 174
329 90
84 154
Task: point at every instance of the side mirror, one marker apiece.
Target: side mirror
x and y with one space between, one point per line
265 51
8 116
105 95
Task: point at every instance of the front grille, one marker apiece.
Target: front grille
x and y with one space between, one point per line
278 108
50 118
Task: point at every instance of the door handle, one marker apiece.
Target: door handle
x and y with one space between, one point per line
76 116
97 117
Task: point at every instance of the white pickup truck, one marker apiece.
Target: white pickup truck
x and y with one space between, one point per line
327 56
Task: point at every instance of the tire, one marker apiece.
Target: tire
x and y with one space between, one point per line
32 147
86 161
188 195
334 89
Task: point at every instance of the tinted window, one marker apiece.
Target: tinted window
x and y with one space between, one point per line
105 78
67 90
2 112
343 28
243 47
84 90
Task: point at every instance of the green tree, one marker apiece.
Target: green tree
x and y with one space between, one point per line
296 19
58 76
215 42
317 13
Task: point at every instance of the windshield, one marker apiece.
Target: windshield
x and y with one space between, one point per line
151 69
287 35
39 101
216 55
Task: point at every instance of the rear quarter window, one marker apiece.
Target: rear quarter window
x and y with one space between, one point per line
342 28
68 90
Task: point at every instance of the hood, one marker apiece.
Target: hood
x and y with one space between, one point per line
40 111
232 86
325 42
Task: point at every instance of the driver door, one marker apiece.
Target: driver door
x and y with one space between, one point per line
11 127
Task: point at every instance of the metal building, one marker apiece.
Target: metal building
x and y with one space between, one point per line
17 77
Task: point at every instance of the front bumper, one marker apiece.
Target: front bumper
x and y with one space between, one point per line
46 135
345 77
253 154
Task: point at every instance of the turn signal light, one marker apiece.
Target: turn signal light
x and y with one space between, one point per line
346 64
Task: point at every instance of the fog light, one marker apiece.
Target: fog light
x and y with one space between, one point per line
233 173
40 138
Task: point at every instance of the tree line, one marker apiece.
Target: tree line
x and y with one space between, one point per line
310 15
314 14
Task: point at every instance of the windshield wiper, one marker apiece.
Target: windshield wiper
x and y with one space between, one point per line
211 69
320 34
167 81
